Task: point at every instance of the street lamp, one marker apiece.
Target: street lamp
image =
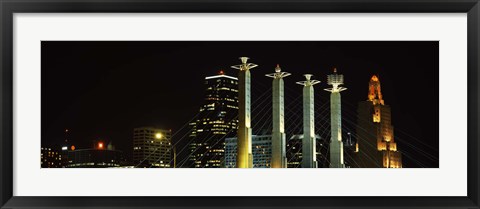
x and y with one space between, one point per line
160 136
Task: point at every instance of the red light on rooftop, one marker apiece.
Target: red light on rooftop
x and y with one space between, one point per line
221 72
100 145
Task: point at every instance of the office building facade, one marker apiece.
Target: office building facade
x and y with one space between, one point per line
217 120
50 158
152 148
261 150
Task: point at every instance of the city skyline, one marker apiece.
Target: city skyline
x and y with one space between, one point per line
108 89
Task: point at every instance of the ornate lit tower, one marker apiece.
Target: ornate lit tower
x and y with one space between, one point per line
376 147
279 156
308 142
244 147
336 145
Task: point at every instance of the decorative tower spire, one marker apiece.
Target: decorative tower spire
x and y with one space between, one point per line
374 115
308 143
279 157
244 134
375 91
336 144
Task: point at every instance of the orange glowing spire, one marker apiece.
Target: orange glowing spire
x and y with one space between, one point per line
335 70
375 91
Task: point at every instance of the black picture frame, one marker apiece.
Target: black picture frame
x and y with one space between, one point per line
9 7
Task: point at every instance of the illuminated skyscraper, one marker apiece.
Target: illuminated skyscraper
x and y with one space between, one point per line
244 134
216 121
308 142
152 148
336 145
279 158
376 147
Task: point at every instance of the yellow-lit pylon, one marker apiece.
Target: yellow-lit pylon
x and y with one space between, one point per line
309 159
279 156
336 144
244 134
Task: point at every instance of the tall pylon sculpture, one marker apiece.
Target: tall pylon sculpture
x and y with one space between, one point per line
336 144
309 159
279 156
244 134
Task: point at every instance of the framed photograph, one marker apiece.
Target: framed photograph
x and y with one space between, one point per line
237 104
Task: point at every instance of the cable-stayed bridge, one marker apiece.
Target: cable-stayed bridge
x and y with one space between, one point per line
309 119
414 151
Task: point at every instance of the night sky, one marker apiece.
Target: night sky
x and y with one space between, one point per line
102 90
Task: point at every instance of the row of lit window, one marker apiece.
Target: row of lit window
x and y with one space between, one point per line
217 122
212 98
217 150
150 131
231 100
91 164
223 126
50 163
231 106
219 132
